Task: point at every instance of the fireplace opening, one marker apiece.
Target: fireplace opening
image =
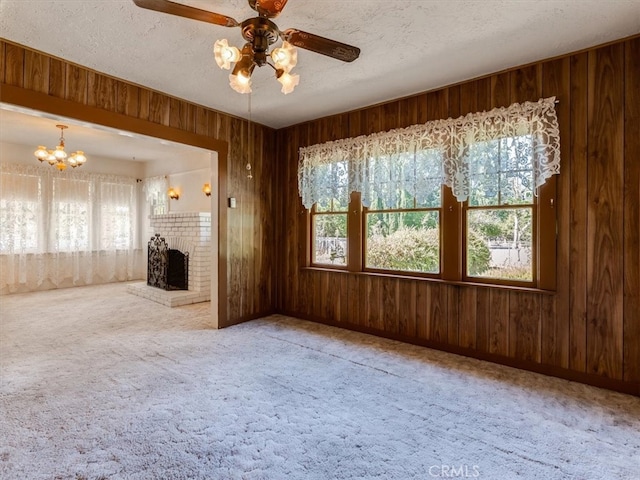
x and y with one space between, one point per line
167 268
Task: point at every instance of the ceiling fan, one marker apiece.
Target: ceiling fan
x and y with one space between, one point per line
260 34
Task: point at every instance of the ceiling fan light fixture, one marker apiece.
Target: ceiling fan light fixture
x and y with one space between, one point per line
260 33
288 81
225 54
285 57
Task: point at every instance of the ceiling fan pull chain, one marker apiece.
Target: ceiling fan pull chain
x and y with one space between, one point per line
249 142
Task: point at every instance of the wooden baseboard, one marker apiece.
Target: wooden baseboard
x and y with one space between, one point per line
247 318
631 388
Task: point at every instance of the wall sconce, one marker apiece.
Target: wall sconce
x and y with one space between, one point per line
173 195
207 189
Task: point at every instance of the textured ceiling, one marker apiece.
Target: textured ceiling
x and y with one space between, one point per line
407 46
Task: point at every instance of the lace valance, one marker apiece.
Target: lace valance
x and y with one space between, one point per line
424 156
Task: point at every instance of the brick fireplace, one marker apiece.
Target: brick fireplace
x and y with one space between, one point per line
189 233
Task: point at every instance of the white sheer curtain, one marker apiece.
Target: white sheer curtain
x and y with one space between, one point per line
425 156
155 193
62 229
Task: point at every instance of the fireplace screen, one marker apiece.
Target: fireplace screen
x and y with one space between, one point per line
166 268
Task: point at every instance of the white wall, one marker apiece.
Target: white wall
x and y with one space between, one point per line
189 187
187 177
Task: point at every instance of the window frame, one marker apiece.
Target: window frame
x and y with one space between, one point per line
453 241
313 213
465 170
368 211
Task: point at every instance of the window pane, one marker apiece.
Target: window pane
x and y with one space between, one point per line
331 205
117 217
20 207
332 185
405 180
499 243
516 187
406 241
71 214
501 171
330 239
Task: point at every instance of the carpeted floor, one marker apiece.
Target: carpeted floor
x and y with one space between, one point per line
101 384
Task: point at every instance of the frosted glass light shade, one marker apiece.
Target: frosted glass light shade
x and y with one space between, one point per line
289 82
225 54
41 153
79 157
240 82
285 57
59 153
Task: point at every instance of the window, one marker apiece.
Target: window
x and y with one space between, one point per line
116 216
402 223
70 215
67 212
329 215
460 200
155 192
21 210
500 211
329 226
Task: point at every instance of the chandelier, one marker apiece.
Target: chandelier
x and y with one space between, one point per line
59 157
260 34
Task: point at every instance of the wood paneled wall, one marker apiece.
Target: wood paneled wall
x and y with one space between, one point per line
589 330
249 232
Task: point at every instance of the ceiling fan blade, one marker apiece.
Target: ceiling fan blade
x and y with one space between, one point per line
185 11
268 8
322 45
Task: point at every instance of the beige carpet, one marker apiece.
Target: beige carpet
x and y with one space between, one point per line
101 384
